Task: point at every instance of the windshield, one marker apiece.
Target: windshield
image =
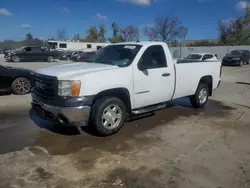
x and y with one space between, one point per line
119 55
235 52
194 56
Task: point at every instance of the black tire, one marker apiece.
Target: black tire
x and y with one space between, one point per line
50 59
22 89
247 62
15 59
195 99
96 117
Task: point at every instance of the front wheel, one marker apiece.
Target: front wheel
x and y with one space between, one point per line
108 115
200 98
21 86
15 59
50 59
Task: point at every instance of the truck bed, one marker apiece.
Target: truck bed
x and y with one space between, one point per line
189 74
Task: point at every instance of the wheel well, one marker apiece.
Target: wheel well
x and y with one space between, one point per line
209 81
121 93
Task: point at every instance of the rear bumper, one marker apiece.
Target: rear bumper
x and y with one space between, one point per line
230 62
73 116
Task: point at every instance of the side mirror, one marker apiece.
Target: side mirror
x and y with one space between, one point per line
141 67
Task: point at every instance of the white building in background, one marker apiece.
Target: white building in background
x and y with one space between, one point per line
69 45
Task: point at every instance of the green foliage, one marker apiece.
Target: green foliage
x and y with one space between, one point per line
28 36
76 37
203 43
235 31
92 35
29 41
116 39
102 32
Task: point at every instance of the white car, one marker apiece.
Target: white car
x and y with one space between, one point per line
201 57
120 81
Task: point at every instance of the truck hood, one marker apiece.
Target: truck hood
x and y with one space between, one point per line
66 71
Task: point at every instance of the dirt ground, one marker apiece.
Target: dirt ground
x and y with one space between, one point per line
178 147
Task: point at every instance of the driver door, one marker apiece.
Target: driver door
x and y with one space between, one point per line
153 78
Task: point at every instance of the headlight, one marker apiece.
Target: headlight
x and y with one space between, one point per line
236 59
69 88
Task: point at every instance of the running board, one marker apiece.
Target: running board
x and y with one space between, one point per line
149 109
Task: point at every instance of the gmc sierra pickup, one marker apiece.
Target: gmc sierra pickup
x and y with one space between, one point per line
120 81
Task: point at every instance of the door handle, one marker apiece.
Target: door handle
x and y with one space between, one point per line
165 74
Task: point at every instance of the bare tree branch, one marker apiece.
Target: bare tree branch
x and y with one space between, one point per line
166 29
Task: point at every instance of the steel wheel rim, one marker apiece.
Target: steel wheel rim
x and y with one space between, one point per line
203 96
111 117
22 86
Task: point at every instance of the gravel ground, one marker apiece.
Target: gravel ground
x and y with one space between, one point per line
178 147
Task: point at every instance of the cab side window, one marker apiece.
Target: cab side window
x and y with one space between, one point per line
153 58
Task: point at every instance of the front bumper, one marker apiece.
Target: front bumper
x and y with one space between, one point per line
72 116
8 58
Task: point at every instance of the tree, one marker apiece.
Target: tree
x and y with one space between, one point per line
115 29
92 35
76 37
203 43
61 34
166 29
28 36
102 32
130 33
117 36
235 31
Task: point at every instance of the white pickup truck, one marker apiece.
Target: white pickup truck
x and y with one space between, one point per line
120 81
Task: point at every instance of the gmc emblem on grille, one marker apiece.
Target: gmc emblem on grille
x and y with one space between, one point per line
40 85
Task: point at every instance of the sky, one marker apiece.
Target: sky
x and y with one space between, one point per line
43 17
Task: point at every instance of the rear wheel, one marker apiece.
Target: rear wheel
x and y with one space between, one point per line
200 98
15 59
108 115
21 86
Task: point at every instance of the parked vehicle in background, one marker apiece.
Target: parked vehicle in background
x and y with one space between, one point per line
16 80
83 56
123 80
30 53
75 54
237 57
65 55
197 57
